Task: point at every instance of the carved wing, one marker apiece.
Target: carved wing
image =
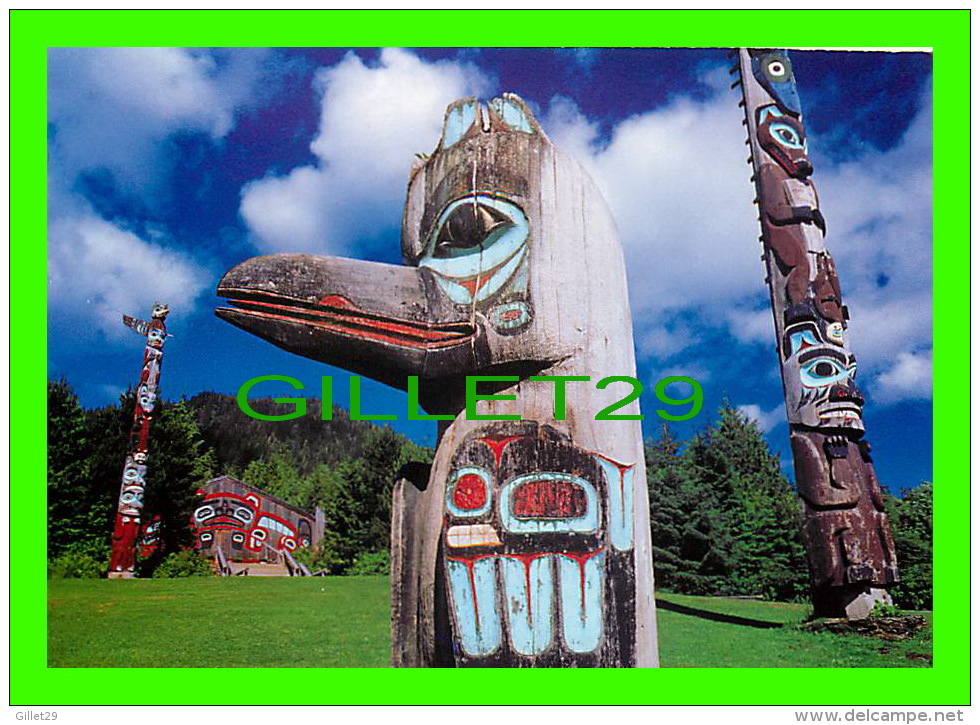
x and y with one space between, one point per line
138 325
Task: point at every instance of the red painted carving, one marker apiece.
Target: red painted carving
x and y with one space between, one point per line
470 492
498 443
549 500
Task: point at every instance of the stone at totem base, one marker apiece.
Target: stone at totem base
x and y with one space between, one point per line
850 602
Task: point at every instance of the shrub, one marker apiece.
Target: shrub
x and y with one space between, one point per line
914 591
320 558
184 563
374 562
80 563
881 610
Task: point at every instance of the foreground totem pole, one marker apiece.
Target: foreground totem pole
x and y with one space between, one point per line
527 544
127 529
845 530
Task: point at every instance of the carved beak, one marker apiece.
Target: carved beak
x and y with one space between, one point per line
370 318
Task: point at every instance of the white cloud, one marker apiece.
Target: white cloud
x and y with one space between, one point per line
690 370
765 419
678 185
909 378
659 341
115 110
111 108
750 326
879 216
98 271
373 121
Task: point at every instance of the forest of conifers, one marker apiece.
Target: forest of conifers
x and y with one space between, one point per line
724 518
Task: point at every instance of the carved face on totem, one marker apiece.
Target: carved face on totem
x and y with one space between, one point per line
150 539
818 373
533 527
145 398
774 72
160 311
155 337
131 496
477 244
784 138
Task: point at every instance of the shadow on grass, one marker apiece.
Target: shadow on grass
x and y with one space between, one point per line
717 616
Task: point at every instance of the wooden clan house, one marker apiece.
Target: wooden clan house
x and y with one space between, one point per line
248 524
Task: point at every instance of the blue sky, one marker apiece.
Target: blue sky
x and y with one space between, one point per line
168 166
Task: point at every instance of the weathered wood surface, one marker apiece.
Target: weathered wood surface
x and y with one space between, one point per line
845 530
528 544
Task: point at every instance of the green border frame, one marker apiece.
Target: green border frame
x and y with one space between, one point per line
947 32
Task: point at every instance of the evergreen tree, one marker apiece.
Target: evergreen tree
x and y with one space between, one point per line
768 553
358 510
74 517
86 454
707 537
179 464
724 519
911 524
666 476
277 476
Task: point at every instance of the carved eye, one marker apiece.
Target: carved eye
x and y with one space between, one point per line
132 496
243 514
470 227
822 371
786 135
468 492
776 67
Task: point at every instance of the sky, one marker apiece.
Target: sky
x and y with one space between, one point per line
168 166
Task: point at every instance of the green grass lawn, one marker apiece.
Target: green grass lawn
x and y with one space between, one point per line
692 641
234 622
344 622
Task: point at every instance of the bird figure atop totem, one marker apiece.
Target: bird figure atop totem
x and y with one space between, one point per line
528 542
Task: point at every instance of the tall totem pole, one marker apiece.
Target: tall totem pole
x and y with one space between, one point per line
127 529
845 530
527 544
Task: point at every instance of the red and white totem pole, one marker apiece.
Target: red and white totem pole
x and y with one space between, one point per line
845 528
129 513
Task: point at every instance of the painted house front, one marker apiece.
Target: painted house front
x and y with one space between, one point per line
248 524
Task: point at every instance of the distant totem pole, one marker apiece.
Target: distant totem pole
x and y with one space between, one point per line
845 530
127 530
527 544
